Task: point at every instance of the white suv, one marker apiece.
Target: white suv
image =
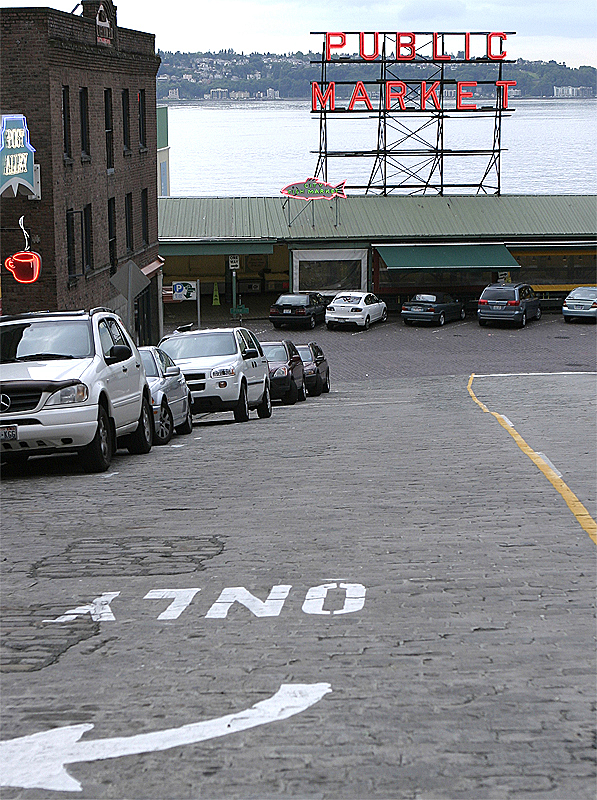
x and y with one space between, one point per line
71 381
225 370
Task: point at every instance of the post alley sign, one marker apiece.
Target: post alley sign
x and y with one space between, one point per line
16 155
397 48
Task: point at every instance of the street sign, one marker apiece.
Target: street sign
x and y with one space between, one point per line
234 262
238 310
184 290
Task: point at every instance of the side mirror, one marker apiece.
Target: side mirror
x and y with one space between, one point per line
172 372
118 353
250 353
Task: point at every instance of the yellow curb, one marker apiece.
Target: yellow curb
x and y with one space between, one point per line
583 517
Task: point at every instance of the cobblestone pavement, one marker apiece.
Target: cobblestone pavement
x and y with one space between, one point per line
467 672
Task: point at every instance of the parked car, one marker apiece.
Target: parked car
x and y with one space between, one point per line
72 381
286 371
170 396
225 370
512 302
436 307
356 308
303 308
316 368
581 303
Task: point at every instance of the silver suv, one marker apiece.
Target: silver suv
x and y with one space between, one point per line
512 302
71 381
224 368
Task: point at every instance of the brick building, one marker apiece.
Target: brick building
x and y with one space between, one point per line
85 90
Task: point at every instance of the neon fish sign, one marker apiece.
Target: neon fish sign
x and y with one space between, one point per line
314 189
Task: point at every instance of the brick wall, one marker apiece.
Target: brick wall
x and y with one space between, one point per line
49 50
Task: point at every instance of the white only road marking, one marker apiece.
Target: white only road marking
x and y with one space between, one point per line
182 598
260 608
354 600
99 609
38 761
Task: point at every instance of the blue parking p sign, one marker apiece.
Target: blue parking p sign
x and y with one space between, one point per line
184 290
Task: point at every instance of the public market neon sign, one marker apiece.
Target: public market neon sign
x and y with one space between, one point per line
423 48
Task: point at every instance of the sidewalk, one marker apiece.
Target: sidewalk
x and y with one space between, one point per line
181 313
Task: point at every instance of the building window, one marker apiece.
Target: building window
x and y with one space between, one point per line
112 234
84 114
87 238
144 217
66 122
126 120
142 126
128 219
70 244
109 125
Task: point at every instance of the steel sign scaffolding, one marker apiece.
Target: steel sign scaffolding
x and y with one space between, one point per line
413 151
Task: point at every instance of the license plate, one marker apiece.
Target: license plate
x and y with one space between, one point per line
496 308
8 433
416 308
287 311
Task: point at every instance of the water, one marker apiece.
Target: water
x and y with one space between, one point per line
228 149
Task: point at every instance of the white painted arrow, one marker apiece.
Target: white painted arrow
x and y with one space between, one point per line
37 761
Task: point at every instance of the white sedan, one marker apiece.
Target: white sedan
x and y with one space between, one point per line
357 308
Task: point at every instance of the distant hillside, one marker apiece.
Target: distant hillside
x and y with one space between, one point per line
231 75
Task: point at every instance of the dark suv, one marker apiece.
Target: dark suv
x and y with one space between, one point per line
511 302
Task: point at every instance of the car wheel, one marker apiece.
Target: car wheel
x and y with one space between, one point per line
538 314
15 460
276 324
329 326
165 427
462 313
523 320
241 410
407 321
291 395
312 321
326 384
367 323
302 392
482 322
384 316
568 319
140 441
318 388
442 319
186 427
96 457
264 409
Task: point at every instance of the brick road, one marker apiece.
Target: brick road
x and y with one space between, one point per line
469 672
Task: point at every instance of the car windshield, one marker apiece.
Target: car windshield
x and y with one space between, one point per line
425 298
202 345
292 300
45 339
499 294
353 299
151 369
305 353
275 352
583 293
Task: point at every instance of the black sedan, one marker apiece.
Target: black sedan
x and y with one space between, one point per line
436 307
300 308
286 372
316 367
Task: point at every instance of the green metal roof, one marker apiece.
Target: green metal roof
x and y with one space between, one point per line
506 219
456 256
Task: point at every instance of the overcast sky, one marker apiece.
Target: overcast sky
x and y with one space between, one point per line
559 30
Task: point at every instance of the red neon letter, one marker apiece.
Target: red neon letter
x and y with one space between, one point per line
316 95
504 85
362 47
460 94
408 45
392 95
329 45
425 93
436 55
360 96
467 47
502 37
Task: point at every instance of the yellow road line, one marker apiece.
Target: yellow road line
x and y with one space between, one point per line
583 517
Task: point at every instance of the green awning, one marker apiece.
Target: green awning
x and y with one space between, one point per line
215 248
440 257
